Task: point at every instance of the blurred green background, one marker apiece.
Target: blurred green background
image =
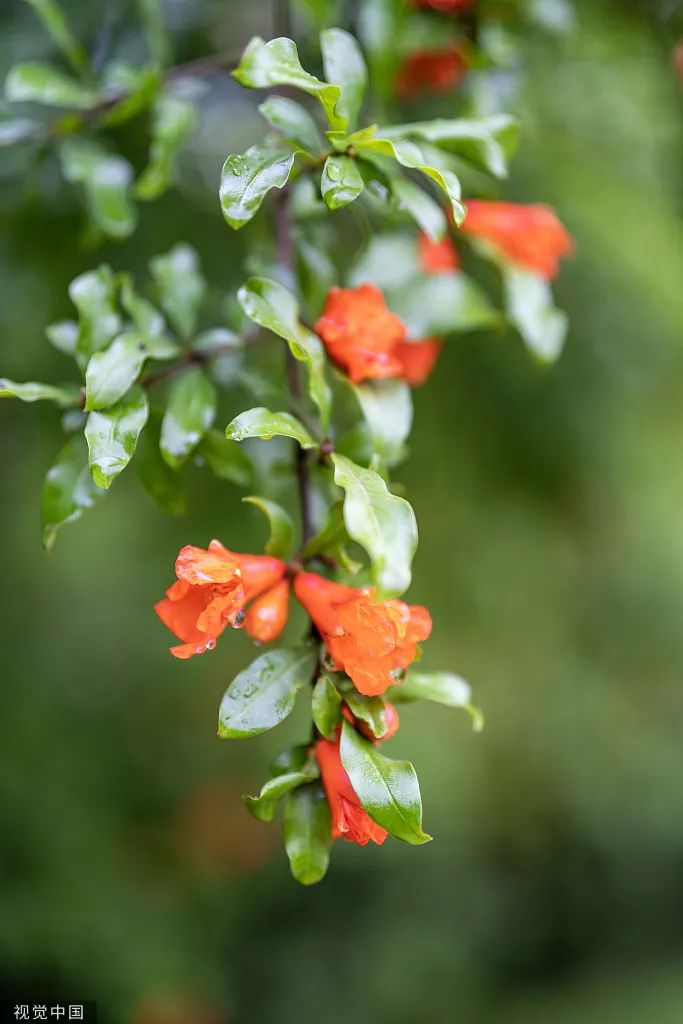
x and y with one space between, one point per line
551 555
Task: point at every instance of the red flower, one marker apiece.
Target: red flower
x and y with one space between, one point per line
531 235
267 616
417 359
213 587
438 257
350 820
433 70
370 640
445 6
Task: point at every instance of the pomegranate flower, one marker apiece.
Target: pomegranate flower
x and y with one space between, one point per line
368 341
438 71
350 820
372 641
530 235
214 586
437 257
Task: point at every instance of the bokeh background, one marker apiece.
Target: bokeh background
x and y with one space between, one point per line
551 555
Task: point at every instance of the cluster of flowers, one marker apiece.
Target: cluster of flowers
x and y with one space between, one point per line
372 641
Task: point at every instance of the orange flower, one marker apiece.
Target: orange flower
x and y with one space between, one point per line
350 820
531 235
417 359
267 616
360 333
434 70
438 257
370 640
212 589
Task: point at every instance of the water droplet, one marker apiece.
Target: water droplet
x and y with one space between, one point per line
238 166
210 644
333 172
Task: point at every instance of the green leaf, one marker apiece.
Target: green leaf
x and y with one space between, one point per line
247 179
344 66
111 373
34 82
147 319
442 688
293 121
271 306
381 522
261 422
389 260
63 336
308 833
387 789
181 284
113 435
281 526
408 154
387 408
18 129
326 706
68 490
225 458
291 759
137 86
53 19
262 696
277 63
158 42
440 304
94 296
265 805
106 179
32 391
371 710
530 308
341 181
419 205
174 120
189 414
163 485
487 143
332 540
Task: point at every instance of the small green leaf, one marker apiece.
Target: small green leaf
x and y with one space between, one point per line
408 154
293 121
63 336
152 17
34 82
261 422
271 306
147 319
174 120
138 88
111 373
388 260
247 179
441 687
326 706
281 526
439 304
488 142
262 696
387 408
332 540
381 522
277 63
341 182
530 308
371 710
32 391
344 66
163 485
387 789
225 458
52 17
181 284
113 435
189 414
419 205
94 296
308 833
106 178
265 805
68 490
291 759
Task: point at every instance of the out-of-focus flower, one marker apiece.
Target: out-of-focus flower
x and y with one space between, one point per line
372 641
439 71
360 333
169 1009
437 257
418 359
531 235
214 586
349 819
445 6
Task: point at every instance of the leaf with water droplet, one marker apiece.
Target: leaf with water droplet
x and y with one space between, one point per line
341 181
246 180
262 696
